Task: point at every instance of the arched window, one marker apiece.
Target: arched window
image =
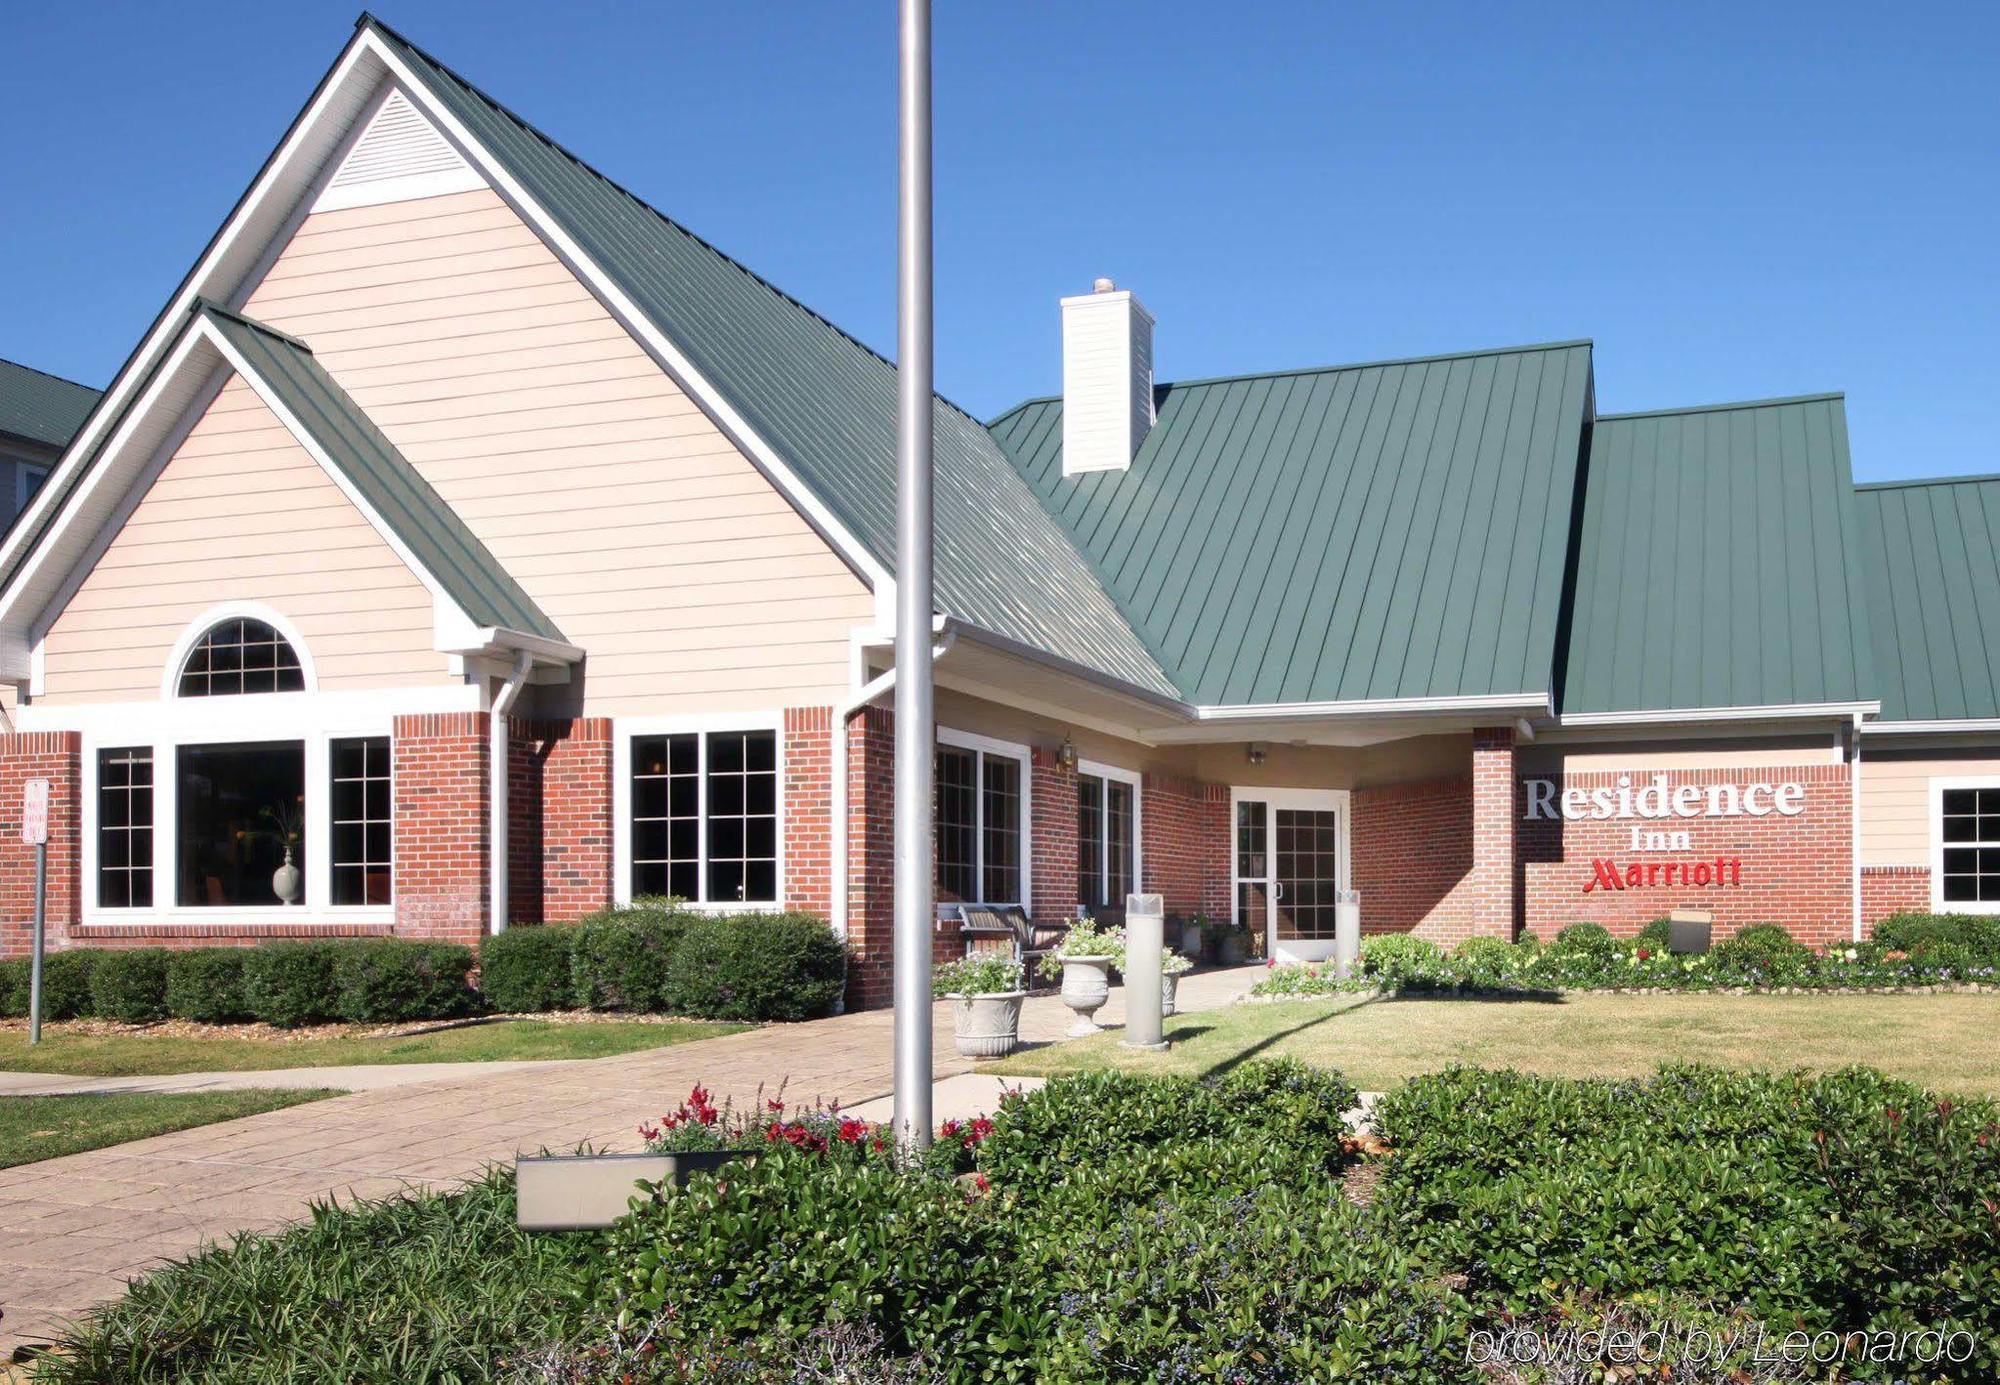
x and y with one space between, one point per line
241 655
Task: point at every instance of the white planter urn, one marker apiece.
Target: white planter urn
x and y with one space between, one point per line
1086 985
988 1026
1169 988
285 880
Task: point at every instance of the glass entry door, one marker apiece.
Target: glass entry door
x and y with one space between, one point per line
1291 864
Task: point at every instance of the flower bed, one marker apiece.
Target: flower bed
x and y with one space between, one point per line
1910 952
1123 1227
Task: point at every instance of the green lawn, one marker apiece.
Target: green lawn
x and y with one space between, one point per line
42 1127
128 1055
1947 1042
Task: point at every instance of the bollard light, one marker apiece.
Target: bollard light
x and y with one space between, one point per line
1145 946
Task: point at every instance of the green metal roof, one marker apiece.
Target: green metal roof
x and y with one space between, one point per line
1716 562
41 407
1933 592
1392 530
823 401
418 515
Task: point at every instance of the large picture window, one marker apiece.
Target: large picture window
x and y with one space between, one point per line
1969 846
1107 832
704 816
240 822
978 824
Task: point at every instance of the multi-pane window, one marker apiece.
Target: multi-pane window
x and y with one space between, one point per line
1970 823
705 816
360 856
1106 837
1253 866
978 826
241 655
125 828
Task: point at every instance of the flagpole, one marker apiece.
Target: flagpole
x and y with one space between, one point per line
915 742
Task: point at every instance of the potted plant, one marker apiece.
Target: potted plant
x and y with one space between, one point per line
575 1192
1084 960
1224 942
1172 967
989 993
1191 934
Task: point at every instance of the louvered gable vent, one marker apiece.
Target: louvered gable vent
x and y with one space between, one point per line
399 157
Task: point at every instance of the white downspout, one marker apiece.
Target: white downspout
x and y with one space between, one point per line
842 714
1854 809
496 768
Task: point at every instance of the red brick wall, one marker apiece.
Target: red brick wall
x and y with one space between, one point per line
871 879
440 825
1052 836
559 809
1410 846
1887 890
57 757
1184 843
1491 886
1795 871
808 825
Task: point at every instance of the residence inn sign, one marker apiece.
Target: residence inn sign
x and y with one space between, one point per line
1660 800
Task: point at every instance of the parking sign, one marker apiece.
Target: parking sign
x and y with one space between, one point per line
35 812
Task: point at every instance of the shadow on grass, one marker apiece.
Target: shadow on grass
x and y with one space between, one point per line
1242 1056
1482 997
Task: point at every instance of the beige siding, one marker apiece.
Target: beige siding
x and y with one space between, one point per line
242 513
1896 797
637 526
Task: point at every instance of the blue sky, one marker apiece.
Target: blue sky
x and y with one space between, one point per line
1733 201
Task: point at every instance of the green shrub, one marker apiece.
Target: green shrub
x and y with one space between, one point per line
14 988
391 980
527 970
1655 936
1398 956
1918 933
206 984
1591 939
757 967
131 986
66 983
292 983
620 957
1762 954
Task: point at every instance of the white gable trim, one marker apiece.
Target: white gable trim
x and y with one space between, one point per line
398 157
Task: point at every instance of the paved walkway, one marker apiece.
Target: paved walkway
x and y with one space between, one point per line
72 1230
357 1077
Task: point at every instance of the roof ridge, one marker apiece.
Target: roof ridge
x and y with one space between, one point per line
50 375
1974 478
1776 402
369 18
1158 385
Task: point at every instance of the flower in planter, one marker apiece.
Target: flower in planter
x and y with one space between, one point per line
988 973
1085 941
1173 963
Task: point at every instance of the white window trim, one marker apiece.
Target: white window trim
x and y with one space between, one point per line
23 492
191 633
1136 780
1938 786
1021 755
255 717
624 731
1339 800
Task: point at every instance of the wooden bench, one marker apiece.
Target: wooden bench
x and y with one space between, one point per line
1026 941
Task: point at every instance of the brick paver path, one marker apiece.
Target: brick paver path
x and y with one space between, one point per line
74 1229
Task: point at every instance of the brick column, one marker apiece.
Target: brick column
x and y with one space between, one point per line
1052 829
57 757
1490 892
871 857
1185 848
808 824
440 825
559 804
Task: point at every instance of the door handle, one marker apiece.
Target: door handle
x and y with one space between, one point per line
1278 892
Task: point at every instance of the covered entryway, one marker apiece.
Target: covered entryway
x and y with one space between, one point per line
1291 855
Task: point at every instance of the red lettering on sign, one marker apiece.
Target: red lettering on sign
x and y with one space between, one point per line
1607 874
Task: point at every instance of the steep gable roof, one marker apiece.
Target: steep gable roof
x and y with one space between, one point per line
822 400
1932 583
1392 531
1717 562
41 407
416 514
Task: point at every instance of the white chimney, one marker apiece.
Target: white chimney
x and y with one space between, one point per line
1107 379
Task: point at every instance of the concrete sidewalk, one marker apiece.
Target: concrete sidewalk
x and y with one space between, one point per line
359 1077
74 1229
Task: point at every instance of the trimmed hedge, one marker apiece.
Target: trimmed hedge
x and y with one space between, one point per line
1919 933
390 980
620 957
757 967
66 983
206 984
528 968
292 983
131 986
14 988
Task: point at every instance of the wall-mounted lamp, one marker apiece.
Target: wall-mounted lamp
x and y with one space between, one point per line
1259 752
1066 753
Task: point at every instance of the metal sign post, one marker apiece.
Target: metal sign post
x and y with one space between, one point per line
35 833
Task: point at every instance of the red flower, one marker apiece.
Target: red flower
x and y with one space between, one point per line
1645 954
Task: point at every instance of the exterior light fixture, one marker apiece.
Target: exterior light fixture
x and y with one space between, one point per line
1258 752
1066 752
